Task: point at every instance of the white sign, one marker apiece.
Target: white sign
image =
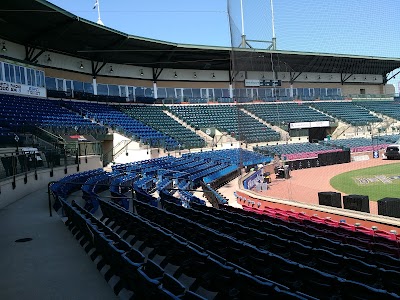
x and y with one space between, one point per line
315 124
299 125
252 82
22 89
319 124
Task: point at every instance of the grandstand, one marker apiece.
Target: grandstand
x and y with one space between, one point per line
154 155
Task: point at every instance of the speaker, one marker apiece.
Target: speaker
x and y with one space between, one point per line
330 199
389 207
356 202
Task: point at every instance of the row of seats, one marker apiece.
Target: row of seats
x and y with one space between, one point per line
348 112
296 276
157 119
226 118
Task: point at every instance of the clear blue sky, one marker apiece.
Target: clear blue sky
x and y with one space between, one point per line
363 27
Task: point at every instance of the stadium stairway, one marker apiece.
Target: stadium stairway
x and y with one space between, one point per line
50 266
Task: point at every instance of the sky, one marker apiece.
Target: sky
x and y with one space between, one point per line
363 27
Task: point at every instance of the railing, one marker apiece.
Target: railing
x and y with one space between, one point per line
26 161
117 150
372 96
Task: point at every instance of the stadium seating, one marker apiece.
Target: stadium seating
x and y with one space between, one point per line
21 113
154 117
226 118
347 112
284 113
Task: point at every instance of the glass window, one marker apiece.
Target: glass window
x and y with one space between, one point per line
187 93
139 92
113 90
28 76
78 86
178 92
42 78
88 87
50 83
211 94
22 72
225 92
60 84
170 92
68 84
122 91
102 89
161 92
38 78
17 75
218 93
131 93
7 72
31 74
196 93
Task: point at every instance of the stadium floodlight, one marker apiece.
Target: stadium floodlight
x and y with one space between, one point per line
4 49
175 75
194 75
141 72
111 69
81 66
213 75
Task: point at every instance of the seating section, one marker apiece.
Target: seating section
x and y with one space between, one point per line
226 118
154 117
21 113
284 113
358 144
388 108
347 112
296 150
114 118
174 248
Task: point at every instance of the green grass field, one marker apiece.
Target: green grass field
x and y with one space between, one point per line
376 182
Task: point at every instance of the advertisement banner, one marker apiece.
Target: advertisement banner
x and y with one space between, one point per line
22 89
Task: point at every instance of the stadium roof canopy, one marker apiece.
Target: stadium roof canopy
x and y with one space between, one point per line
38 24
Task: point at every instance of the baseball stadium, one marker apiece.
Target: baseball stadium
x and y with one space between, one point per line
138 168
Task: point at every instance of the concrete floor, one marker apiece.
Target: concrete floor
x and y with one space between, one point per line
51 266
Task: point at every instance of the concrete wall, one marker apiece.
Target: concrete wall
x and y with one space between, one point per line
9 195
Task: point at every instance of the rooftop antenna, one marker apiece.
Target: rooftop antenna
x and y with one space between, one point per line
97 4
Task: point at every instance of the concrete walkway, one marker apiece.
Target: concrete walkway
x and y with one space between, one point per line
52 265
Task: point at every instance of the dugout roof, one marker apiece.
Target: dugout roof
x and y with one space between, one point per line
38 24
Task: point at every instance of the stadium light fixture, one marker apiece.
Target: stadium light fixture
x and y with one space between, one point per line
111 69
194 75
81 66
4 48
175 75
213 75
141 72
48 58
